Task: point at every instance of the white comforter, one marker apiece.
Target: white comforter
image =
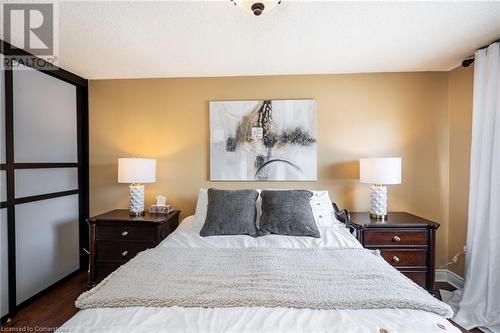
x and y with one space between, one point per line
255 319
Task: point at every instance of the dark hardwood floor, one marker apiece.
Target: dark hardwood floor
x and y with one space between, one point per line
57 306
50 311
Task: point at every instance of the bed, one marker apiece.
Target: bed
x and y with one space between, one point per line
334 237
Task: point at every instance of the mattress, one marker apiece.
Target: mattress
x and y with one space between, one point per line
255 319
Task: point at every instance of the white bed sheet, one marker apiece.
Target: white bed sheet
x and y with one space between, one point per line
255 319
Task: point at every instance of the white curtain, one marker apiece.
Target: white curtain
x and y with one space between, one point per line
480 304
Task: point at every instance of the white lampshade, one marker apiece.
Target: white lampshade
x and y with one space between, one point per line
136 170
383 171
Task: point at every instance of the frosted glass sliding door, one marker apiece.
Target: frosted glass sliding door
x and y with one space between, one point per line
3 187
4 277
45 132
4 269
46 243
29 182
3 159
43 180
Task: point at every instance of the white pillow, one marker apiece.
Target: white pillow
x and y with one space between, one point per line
201 206
322 208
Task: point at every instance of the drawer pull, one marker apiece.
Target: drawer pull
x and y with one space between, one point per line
125 233
124 254
396 238
395 259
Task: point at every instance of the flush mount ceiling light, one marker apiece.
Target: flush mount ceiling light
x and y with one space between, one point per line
256 7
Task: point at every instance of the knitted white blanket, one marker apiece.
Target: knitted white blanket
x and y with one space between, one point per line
298 278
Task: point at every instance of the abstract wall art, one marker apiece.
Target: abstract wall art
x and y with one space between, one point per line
267 140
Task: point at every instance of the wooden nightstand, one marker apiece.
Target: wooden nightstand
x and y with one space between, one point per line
405 241
116 237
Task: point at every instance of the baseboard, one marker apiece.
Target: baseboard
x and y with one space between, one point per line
455 280
445 275
441 275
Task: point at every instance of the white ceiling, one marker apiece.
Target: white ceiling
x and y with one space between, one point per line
101 40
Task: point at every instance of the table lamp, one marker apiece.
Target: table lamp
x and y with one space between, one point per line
135 171
379 172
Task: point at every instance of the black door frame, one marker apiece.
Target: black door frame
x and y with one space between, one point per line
82 166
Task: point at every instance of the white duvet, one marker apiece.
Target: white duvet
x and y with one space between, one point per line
255 319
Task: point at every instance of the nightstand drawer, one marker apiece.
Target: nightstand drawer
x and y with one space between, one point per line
395 237
116 237
405 258
419 278
126 232
406 241
102 270
120 250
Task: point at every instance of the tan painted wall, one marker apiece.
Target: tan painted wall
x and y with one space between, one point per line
359 115
460 120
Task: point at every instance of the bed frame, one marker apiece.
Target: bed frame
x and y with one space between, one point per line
343 216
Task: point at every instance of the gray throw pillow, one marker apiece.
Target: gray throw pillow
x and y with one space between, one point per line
287 213
230 213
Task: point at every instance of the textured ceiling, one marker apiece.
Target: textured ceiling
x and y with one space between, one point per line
118 39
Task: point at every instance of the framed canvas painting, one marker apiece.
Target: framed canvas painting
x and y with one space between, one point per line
267 140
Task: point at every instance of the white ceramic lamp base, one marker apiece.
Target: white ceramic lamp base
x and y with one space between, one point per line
378 202
136 203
